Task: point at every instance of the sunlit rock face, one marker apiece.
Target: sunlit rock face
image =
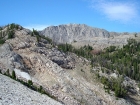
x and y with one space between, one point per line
73 32
81 34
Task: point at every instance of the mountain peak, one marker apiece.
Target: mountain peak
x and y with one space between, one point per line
69 32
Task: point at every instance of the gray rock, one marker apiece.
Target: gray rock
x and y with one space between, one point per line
73 32
81 34
14 93
9 59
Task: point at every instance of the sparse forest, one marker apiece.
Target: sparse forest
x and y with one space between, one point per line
124 61
114 85
82 51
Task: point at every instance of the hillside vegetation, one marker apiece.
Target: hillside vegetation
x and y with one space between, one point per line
124 61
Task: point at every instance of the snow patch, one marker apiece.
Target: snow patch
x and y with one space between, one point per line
22 74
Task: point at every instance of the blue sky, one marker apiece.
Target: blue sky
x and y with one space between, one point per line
112 15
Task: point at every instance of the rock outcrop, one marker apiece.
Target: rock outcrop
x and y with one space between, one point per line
73 32
14 93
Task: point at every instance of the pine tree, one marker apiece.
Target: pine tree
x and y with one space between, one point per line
13 74
32 34
38 38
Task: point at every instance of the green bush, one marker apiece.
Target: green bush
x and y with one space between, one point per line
30 83
12 26
11 34
2 41
120 91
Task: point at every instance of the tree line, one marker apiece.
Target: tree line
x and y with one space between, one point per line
84 51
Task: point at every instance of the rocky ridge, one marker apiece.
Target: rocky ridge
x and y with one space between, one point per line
59 73
81 34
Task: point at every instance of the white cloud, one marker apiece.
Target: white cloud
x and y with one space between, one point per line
118 11
36 26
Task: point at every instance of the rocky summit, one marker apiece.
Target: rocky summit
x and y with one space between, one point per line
81 34
66 77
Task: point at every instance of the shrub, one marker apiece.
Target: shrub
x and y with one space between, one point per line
114 85
2 41
30 83
12 26
82 70
10 35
